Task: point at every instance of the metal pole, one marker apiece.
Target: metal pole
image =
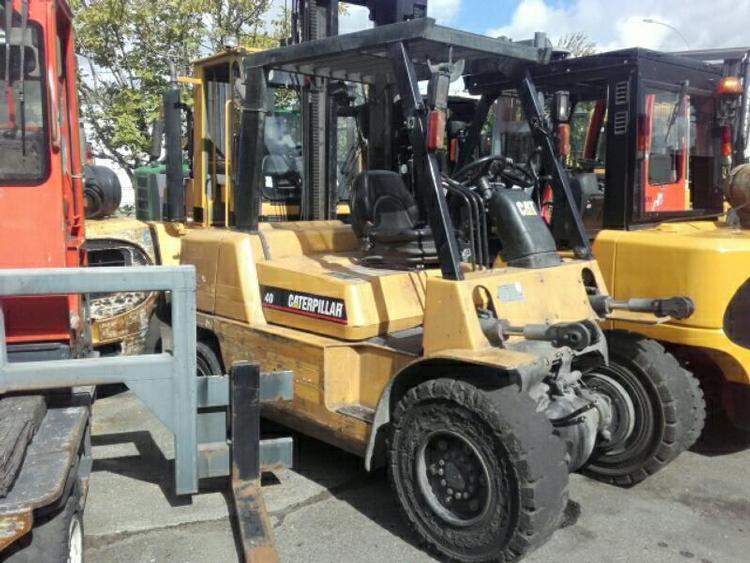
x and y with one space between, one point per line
248 188
743 125
431 200
665 24
3 350
185 397
175 210
543 138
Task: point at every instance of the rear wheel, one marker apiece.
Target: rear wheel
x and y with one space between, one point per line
697 409
479 475
654 418
207 360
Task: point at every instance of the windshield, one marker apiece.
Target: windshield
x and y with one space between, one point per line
283 164
668 139
676 137
23 138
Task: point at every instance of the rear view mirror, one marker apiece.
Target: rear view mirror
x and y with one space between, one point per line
561 106
157 135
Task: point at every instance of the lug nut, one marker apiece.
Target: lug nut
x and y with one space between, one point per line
440 471
448 500
441 461
433 469
443 482
450 491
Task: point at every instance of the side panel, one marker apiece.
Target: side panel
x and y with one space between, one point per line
519 296
706 261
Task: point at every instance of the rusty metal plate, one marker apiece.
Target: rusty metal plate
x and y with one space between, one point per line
14 526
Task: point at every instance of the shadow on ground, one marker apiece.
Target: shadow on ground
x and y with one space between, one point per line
720 437
344 477
341 475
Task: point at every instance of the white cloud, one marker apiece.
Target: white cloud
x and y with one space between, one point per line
616 24
443 10
355 19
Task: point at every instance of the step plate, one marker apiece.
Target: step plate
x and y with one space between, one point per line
359 412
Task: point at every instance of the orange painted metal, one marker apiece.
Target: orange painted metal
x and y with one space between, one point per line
42 223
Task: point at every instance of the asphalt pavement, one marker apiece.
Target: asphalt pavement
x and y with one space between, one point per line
329 509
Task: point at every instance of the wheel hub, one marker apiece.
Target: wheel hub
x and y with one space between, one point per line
622 408
454 478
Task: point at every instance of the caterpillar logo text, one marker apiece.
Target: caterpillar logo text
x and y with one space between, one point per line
306 304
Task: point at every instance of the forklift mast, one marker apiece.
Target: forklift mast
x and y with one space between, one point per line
41 192
316 19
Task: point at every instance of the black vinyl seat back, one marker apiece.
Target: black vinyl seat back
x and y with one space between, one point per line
381 202
385 216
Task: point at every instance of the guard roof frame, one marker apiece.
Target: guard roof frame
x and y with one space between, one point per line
399 55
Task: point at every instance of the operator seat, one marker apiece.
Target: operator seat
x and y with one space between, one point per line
386 219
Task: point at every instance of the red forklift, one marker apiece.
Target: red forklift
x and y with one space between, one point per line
42 204
48 371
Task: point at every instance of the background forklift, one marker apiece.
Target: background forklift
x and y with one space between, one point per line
480 387
217 89
655 144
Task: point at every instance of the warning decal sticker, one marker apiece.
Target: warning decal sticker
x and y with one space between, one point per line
305 304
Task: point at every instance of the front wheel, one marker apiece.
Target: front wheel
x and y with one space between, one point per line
656 410
479 475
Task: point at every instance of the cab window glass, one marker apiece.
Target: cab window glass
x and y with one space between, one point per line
588 134
218 90
669 133
511 135
283 164
23 134
675 150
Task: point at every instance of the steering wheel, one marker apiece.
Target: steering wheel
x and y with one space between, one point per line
496 166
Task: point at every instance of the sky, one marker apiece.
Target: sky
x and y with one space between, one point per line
700 24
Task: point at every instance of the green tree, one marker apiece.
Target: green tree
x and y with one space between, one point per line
125 49
578 44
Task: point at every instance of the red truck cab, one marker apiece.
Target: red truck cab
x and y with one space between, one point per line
41 183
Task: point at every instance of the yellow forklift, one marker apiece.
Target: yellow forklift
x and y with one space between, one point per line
656 145
480 385
217 87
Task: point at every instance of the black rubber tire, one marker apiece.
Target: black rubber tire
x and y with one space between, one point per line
697 410
664 417
525 460
49 540
152 341
208 361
